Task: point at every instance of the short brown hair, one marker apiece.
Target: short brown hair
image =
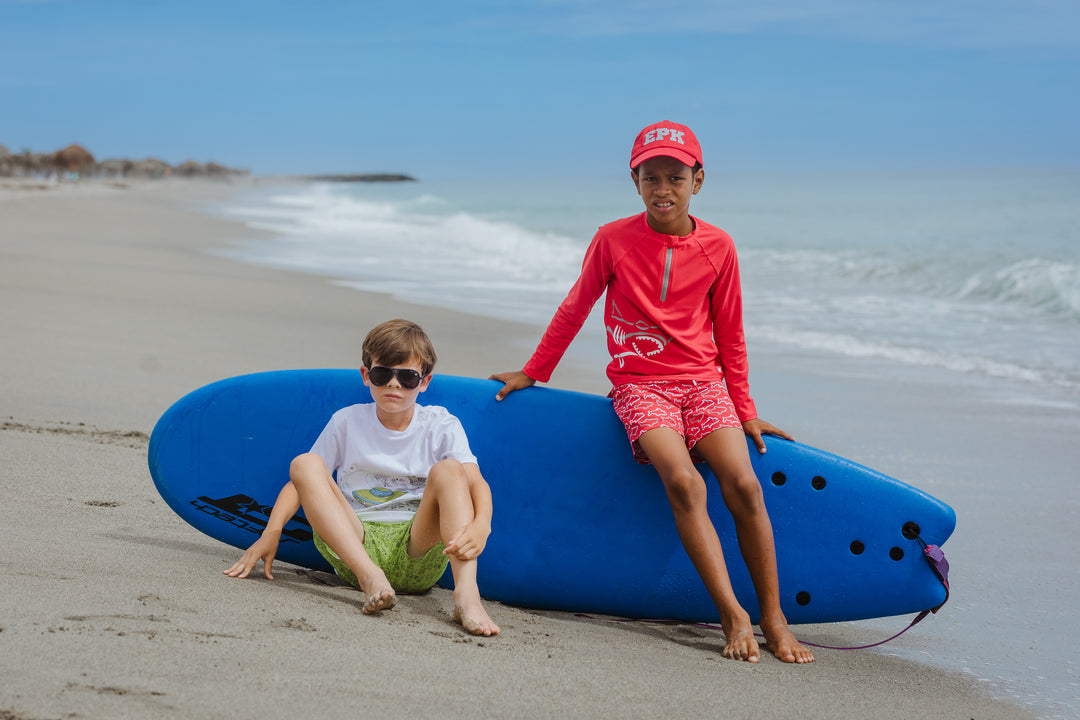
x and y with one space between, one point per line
394 342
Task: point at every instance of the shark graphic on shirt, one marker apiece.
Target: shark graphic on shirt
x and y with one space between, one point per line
639 338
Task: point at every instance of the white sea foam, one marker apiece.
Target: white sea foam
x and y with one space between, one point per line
1044 286
854 347
417 248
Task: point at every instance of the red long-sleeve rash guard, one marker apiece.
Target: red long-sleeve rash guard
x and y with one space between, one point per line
674 308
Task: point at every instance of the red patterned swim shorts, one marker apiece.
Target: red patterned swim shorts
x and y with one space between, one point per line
693 409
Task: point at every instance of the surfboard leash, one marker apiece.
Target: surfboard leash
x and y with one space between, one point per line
932 553
936 557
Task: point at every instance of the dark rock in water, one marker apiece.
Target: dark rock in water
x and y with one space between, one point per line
370 177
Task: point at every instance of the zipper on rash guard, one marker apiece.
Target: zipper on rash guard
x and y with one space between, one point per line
667 273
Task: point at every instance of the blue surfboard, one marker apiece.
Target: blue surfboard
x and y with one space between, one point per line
578 525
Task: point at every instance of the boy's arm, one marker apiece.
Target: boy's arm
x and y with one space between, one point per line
265 548
471 541
564 326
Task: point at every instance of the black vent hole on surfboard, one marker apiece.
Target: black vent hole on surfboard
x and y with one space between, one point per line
857 547
778 478
818 483
803 598
897 553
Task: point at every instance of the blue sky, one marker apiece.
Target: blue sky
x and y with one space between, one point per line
482 88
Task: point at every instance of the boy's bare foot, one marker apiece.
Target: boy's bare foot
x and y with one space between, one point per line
376 602
471 615
782 643
378 595
741 643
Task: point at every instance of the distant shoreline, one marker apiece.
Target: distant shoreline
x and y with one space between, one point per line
75 162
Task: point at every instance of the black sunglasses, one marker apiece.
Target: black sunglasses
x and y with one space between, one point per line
380 375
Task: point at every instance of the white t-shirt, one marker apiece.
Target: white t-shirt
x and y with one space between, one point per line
382 472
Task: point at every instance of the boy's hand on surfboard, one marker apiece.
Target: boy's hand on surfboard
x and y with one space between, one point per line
470 542
265 548
757 427
512 381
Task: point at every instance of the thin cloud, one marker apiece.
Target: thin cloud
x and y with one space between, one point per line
945 23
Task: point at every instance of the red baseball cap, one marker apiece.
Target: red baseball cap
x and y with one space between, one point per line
666 139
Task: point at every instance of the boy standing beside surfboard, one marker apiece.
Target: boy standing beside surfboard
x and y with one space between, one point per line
408 496
680 373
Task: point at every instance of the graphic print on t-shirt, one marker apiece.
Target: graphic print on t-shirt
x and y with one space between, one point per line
370 497
367 490
640 337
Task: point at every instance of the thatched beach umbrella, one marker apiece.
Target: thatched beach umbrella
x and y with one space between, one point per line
214 169
190 168
74 158
115 167
7 163
151 168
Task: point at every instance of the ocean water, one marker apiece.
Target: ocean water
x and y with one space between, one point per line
972 275
976 274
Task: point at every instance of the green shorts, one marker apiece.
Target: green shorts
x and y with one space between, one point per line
387 544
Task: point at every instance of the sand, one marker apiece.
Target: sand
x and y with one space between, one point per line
113 607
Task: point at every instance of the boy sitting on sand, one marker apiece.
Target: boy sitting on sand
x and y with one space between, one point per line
408 496
680 373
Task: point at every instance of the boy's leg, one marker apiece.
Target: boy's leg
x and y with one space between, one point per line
333 518
726 452
446 509
687 494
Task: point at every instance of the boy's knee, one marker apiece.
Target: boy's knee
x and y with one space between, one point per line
446 471
306 466
743 493
685 488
